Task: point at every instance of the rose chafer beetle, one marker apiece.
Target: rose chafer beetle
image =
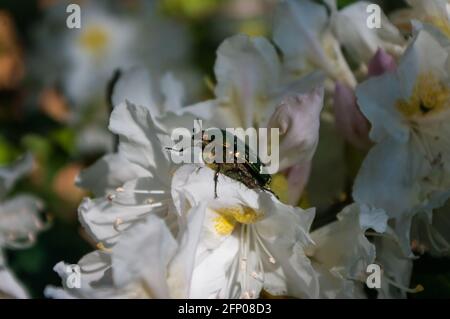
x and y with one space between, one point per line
245 166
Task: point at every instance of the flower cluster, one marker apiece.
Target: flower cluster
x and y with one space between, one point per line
192 230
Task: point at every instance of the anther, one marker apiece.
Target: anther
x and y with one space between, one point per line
117 223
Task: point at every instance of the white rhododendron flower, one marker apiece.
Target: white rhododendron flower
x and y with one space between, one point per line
249 240
101 270
231 246
349 120
19 223
227 247
251 91
165 97
395 264
431 236
130 177
249 79
302 31
341 255
132 187
322 109
250 84
345 248
407 171
434 16
111 37
350 27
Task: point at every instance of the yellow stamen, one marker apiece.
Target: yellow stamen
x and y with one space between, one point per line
94 40
224 225
419 288
228 217
279 185
442 24
429 96
101 246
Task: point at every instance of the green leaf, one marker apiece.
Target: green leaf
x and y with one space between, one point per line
38 145
7 152
65 138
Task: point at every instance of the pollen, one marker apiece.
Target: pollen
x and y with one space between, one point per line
229 217
430 95
441 23
279 185
224 225
94 40
101 246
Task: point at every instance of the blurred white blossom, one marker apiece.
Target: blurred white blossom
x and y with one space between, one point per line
19 223
198 245
407 170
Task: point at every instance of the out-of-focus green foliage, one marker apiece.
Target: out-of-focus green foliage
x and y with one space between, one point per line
7 152
190 9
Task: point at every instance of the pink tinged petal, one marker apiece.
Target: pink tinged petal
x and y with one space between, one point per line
350 122
298 118
297 178
381 63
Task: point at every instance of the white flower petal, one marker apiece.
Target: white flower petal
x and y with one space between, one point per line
285 234
397 267
20 221
341 255
9 286
10 174
212 272
105 218
298 29
432 236
143 253
182 266
135 85
108 173
388 178
196 183
173 92
247 70
139 138
350 28
373 218
376 98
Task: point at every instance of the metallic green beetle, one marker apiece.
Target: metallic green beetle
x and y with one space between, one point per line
240 168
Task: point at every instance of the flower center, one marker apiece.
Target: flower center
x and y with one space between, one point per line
429 96
441 23
94 40
228 217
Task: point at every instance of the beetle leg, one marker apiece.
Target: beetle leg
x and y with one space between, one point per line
174 150
270 191
216 180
